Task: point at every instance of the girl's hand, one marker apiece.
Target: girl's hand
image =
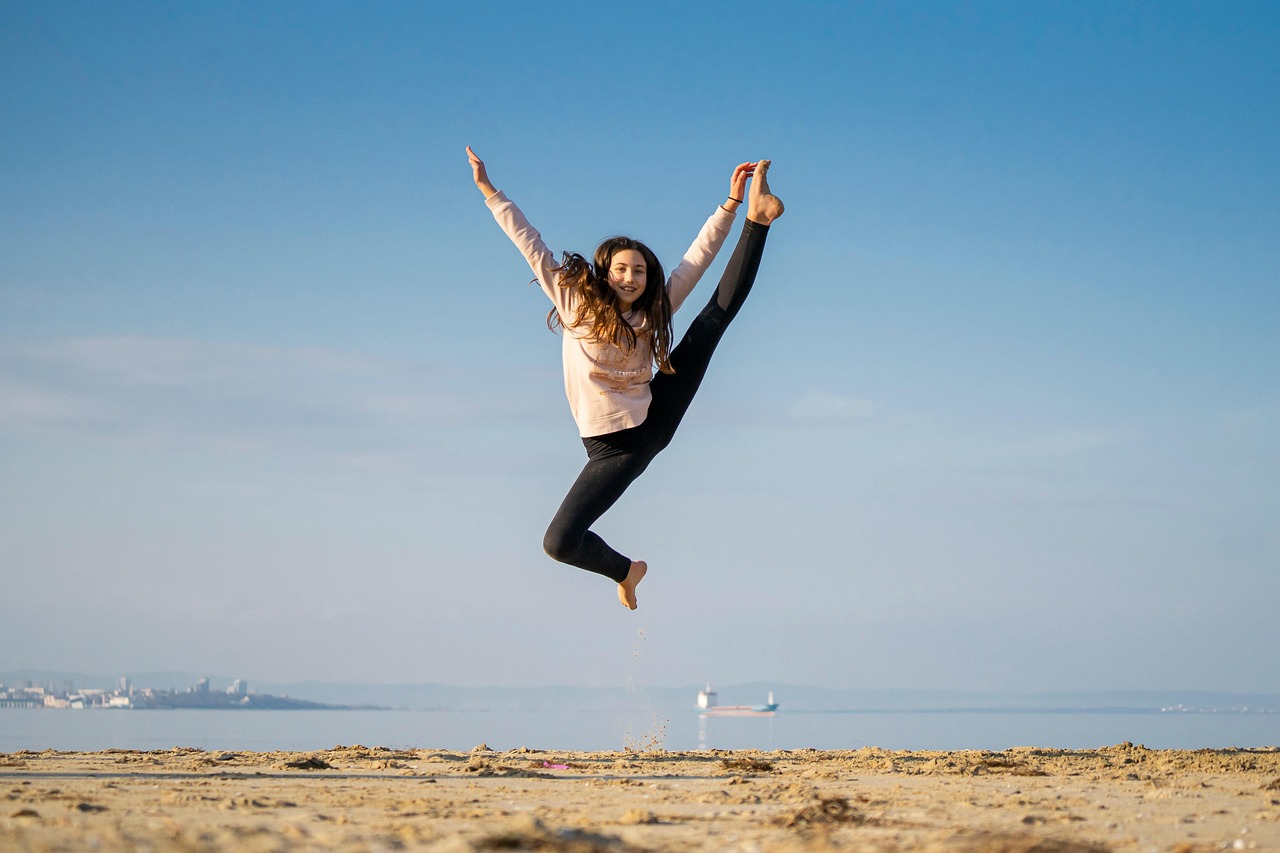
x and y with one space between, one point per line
738 185
481 176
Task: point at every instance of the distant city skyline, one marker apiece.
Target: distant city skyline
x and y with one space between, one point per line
57 693
1002 412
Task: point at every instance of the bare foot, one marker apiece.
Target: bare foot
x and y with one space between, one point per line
627 589
762 205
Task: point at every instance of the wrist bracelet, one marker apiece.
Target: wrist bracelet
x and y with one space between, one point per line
738 200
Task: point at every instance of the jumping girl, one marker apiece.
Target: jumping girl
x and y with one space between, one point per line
615 312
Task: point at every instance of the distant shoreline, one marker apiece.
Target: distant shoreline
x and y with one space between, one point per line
794 698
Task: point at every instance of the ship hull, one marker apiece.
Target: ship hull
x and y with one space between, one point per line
740 711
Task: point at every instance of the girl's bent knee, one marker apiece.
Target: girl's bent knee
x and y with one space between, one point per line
558 546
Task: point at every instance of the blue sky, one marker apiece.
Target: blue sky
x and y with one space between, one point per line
277 400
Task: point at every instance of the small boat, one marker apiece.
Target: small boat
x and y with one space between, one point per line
707 706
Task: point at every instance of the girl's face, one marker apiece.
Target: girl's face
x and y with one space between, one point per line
628 274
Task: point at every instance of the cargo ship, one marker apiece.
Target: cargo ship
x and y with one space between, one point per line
707 706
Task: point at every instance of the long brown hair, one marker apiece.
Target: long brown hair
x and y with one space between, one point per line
599 309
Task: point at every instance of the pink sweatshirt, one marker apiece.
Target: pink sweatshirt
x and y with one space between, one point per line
607 385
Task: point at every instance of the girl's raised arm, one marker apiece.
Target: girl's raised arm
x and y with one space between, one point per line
480 174
525 236
709 240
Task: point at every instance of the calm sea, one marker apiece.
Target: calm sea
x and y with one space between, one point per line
645 728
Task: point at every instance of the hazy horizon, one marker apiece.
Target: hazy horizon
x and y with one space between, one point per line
355 692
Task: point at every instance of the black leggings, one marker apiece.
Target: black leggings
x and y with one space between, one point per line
616 459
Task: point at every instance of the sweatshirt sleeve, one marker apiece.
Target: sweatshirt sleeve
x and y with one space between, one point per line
699 257
527 239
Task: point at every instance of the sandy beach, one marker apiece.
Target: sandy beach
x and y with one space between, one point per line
360 798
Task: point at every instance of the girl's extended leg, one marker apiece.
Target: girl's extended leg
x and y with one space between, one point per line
674 392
